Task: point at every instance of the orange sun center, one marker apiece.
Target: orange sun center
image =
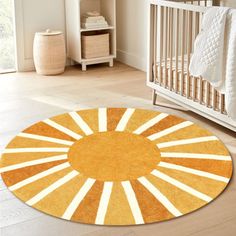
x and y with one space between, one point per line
114 156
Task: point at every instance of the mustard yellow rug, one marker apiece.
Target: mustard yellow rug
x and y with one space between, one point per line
116 166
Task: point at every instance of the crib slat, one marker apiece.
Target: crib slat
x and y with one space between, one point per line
166 45
214 100
161 43
183 51
197 19
151 62
194 86
189 50
216 2
155 17
177 50
208 97
200 90
222 103
171 47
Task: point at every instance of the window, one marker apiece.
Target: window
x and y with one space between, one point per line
7 37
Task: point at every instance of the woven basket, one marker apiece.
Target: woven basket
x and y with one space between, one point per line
94 46
49 53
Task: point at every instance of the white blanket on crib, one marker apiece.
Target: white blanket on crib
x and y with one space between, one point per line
214 56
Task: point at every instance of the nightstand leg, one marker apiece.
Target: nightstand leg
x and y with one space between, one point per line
111 63
84 67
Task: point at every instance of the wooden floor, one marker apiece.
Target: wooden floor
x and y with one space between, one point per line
26 98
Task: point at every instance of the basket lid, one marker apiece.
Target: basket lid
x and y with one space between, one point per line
49 32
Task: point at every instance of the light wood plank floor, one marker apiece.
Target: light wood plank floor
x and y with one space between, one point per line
26 98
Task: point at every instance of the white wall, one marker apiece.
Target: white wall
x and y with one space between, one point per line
33 16
230 3
38 15
132 32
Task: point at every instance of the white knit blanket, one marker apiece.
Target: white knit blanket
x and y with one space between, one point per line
214 56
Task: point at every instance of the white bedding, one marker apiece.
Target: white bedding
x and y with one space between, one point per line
214 56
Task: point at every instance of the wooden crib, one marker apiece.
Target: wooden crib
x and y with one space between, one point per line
173 27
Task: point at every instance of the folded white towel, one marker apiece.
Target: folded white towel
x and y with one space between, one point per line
94 19
214 54
94 25
92 14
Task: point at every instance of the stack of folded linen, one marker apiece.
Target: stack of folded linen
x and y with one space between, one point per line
92 20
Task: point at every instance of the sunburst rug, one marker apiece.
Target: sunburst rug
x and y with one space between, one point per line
116 166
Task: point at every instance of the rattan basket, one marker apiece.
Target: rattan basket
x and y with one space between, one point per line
95 45
49 52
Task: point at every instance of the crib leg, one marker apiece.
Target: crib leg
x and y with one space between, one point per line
163 104
154 97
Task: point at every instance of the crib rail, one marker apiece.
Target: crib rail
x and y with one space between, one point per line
174 25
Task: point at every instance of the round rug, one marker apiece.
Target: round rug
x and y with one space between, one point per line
116 166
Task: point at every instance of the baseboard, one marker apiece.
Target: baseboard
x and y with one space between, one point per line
28 65
132 60
122 56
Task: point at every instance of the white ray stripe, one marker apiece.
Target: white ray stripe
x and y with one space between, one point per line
182 186
170 130
150 123
62 129
125 119
81 123
193 171
133 203
78 198
102 119
51 188
104 201
187 141
32 163
45 138
196 155
39 176
159 196
22 150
